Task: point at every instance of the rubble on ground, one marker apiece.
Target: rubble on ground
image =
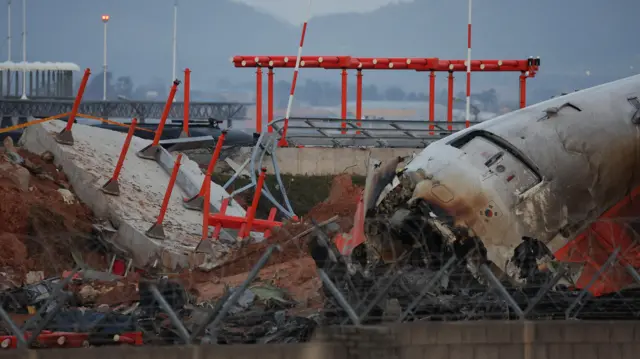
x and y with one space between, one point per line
280 306
407 247
291 268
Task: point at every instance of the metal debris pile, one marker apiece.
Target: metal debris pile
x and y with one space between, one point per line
90 308
413 261
361 257
108 302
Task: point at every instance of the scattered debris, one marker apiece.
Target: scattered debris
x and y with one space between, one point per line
415 262
67 196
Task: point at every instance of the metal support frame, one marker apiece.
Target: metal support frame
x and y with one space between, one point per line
585 290
339 297
265 146
367 132
427 287
545 289
495 283
182 331
381 293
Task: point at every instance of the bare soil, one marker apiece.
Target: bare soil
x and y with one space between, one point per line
293 259
38 230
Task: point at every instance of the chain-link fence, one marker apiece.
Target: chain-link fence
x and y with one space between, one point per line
71 290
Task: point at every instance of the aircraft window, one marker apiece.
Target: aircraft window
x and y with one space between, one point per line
496 158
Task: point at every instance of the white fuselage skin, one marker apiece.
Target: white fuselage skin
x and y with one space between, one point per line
540 171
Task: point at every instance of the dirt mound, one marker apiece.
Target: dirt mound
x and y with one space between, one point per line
342 201
39 228
14 252
291 268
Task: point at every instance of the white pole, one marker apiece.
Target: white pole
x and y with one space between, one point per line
175 38
468 111
104 62
9 30
24 49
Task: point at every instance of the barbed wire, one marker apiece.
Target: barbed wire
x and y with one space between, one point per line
64 290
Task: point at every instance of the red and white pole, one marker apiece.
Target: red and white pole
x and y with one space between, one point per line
468 110
283 139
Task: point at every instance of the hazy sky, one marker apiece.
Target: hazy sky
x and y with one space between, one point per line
295 11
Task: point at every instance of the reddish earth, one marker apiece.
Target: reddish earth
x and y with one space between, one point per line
39 230
297 277
292 267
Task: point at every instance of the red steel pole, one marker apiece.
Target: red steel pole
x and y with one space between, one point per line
165 113
343 101
167 194
432 101
359 97
270 100
206 191
187 95
259 100
76 102
125 148
214 157
450 103
523 90
112 187
157 231
194 202
251 213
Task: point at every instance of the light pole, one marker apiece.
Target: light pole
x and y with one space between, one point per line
175 38
468 107
105 20
9 30
24 49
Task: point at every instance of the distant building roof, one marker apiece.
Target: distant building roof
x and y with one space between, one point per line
39 66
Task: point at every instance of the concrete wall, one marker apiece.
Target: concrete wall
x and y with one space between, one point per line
330 161
464 340
491 340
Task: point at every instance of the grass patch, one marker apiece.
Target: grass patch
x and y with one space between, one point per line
304 192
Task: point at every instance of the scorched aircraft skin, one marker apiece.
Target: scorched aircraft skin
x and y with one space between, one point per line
545 172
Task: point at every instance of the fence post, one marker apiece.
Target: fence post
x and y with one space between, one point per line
112 186
157 230
65 136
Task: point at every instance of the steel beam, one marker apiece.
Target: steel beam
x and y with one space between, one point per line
123 109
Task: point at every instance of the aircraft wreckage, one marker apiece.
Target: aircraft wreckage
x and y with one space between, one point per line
516 196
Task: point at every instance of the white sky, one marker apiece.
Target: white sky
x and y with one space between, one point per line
295 11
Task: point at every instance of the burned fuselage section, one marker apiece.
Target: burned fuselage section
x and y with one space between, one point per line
509 195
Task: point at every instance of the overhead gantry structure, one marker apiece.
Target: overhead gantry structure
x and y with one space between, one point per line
527 69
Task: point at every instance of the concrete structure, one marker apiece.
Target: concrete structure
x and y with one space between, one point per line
44 80
325 161
420 340
90 163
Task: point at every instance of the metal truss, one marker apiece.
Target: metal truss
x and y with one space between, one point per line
310 131
124 109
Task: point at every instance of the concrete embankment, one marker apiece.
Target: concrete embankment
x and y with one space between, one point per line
90 162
